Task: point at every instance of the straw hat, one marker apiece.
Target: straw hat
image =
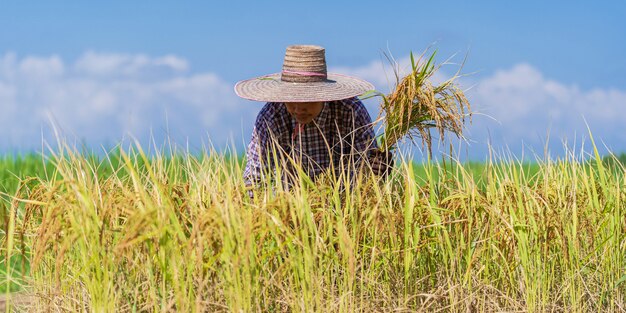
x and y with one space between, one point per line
303 79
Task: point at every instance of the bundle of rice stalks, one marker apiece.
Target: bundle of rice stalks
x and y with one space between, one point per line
416 106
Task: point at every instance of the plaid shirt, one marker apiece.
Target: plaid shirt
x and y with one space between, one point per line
340 133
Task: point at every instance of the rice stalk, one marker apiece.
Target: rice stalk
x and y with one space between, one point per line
179 233
417 106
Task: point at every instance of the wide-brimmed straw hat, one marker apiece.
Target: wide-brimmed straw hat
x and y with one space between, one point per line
304 78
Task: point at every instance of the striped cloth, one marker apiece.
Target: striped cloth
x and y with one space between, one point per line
341 132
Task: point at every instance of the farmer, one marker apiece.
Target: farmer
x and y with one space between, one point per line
311 117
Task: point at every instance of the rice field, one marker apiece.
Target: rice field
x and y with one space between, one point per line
178 232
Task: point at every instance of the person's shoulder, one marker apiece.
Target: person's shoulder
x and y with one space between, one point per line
350 106
271 111
272 108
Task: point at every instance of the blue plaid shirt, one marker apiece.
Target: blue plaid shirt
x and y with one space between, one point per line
340 134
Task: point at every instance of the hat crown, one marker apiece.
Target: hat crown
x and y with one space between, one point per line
304 64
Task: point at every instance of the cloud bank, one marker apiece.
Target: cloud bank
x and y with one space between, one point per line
531 108
102 97
519 110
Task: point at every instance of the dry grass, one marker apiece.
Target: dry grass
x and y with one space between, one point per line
181 234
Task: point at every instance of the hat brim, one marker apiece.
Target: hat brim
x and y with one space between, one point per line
271 89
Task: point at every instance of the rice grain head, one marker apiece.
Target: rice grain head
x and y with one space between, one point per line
417 106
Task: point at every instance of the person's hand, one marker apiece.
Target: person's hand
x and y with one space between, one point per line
381 162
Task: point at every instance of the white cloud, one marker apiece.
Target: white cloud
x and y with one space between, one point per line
526 106
113 64
37 69
103 97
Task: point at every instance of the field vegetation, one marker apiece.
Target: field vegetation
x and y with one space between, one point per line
129 232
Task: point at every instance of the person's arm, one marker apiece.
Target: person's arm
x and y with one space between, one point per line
364 140
257 148
252 172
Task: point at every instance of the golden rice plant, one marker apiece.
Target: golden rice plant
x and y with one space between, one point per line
417 106
179 233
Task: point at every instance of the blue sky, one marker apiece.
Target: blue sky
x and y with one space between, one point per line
109 70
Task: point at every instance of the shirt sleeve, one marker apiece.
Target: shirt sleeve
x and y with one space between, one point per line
257 147
364 127
360 126
364 138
